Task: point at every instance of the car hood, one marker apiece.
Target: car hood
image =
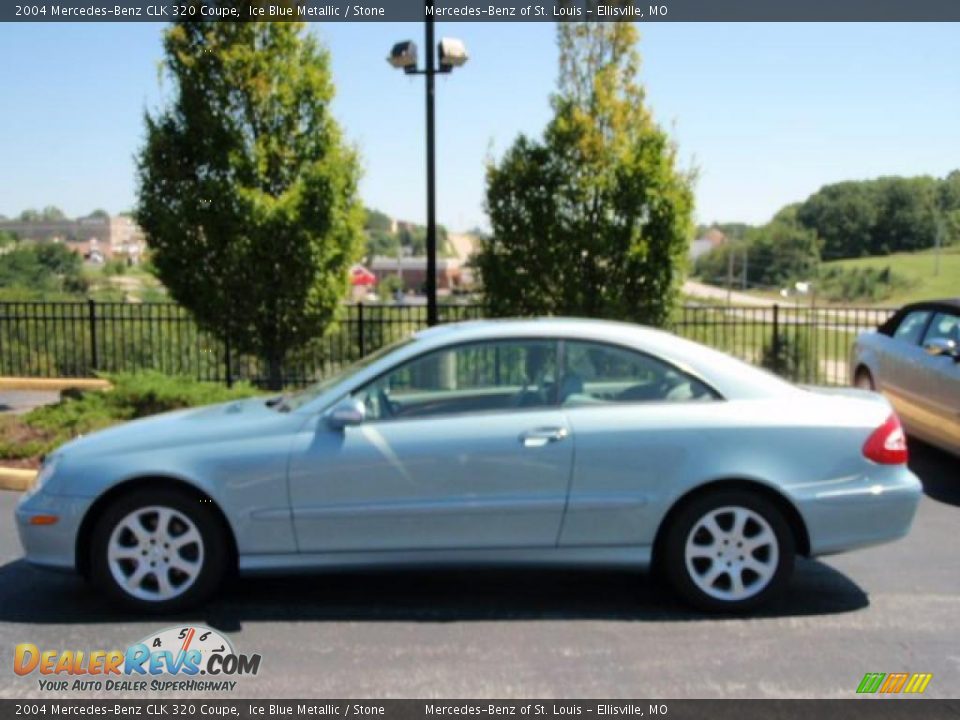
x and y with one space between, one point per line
179 428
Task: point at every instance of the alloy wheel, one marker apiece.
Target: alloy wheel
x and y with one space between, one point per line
732 553
155 553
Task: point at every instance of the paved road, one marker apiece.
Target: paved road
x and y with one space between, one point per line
714 292
550 634
21 401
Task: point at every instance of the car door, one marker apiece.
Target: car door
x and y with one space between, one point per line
463 447
635 419
940 396
902 375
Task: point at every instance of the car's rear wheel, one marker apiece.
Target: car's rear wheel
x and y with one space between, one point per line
864 380
729 550
158 551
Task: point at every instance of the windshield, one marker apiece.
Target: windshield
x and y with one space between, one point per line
301 398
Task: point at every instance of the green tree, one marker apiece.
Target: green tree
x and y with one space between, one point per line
908 211
881 216
52 213
247 190
844 217
41 267
775 254
376 220
594 218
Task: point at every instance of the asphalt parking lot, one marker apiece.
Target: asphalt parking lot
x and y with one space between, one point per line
548 634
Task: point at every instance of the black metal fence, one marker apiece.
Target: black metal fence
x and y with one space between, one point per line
81 339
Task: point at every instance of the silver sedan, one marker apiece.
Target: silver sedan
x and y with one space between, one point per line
914 359
531 442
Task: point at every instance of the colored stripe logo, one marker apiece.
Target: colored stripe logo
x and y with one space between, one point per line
894 683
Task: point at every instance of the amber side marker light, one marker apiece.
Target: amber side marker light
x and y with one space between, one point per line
44 519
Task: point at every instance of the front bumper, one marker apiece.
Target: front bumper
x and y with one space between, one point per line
869 509
51 546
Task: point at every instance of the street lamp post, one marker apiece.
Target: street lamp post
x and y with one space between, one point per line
451 53
431 177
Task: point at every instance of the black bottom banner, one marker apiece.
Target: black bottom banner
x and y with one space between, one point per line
885 708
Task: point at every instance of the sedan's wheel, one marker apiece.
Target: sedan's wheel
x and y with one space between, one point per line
729 550
158 551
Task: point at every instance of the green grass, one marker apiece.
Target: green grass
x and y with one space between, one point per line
918 270
29 436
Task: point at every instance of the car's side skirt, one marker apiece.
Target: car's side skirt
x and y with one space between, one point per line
617 556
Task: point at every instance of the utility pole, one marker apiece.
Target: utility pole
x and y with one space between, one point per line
730 252
744 277
938 244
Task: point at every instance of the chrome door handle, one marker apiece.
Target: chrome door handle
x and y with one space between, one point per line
539 437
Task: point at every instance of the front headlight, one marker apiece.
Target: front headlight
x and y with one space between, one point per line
47 468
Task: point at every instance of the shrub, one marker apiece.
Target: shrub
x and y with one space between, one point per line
790 355
79 412
863 284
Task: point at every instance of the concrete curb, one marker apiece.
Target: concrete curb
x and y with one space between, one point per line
16 479
52 384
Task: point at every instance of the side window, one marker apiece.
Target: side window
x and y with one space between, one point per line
911 327
478 377
597 373
944 327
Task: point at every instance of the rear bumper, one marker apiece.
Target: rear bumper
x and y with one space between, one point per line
859 511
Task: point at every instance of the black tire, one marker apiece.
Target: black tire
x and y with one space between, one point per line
864 380
674 561
212 560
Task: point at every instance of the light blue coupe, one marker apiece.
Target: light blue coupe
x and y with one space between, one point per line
533 442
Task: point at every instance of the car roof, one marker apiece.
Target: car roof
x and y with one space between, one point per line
951 305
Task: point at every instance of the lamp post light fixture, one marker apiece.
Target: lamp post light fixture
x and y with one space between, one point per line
450 53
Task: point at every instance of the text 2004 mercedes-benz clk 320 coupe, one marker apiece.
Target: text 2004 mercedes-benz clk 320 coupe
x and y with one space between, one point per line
533 442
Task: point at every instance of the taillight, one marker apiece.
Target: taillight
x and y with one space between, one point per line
887 444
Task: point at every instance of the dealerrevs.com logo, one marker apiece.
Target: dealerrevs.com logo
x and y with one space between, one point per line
176 659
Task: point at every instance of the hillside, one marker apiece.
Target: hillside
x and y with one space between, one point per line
917 270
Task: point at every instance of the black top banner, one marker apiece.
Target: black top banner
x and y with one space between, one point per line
481 10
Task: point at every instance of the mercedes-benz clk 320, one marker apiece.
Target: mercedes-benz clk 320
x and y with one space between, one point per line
552 442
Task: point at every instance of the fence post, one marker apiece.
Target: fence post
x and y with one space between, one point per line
92 314
360 339
226 359
775 342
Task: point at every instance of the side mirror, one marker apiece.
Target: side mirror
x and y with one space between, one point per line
347 412
943 346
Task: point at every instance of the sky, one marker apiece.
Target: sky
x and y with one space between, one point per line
767 113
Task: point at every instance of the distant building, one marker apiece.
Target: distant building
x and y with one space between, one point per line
711 239
92 237
413 271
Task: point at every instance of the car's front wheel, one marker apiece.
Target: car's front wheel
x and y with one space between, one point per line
158 551
729 550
